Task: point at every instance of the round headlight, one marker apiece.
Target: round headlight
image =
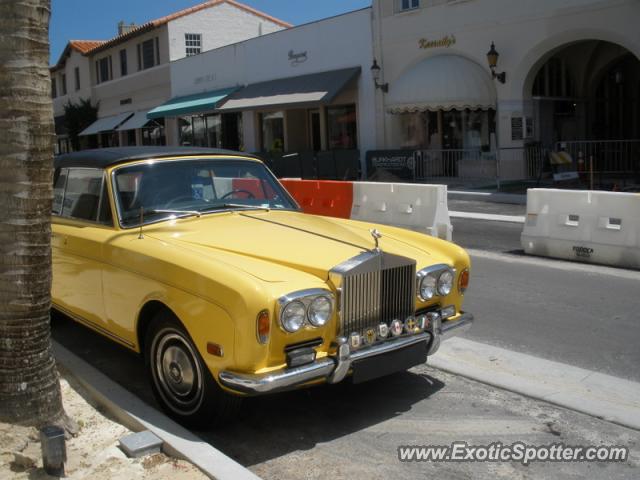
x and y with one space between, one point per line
292 316
445 283
428 287
320 311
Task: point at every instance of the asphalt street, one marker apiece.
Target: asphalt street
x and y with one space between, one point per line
583 315
584 318
354 431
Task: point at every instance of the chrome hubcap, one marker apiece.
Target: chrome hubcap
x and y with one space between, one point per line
177 373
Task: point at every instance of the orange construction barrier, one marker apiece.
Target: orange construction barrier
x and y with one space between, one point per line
322 197
254 187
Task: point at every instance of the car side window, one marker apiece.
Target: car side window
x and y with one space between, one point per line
85 196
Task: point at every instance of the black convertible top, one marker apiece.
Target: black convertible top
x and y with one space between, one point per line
107 157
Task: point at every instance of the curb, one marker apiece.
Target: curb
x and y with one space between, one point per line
137 416
493 197
613 399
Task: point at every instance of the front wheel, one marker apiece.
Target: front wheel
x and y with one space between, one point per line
180 380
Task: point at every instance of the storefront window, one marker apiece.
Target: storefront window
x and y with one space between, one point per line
153 133
342 127
199 131
214 131
272 132
186 131
109 139
454 129
129 138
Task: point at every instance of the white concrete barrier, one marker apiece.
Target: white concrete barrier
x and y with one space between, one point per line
415 206
587 226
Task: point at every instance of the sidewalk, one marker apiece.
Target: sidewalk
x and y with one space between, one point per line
93 453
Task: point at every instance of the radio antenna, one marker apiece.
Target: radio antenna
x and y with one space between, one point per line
141 236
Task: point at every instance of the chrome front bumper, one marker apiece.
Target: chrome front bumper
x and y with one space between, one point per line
335 368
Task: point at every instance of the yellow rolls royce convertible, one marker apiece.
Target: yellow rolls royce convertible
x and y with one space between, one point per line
202 262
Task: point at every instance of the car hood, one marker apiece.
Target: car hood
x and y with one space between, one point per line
303 242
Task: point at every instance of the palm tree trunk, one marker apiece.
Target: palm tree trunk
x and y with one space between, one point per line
29 385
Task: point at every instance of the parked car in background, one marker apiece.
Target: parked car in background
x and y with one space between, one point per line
202 262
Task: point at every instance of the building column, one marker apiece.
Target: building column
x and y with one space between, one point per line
250 129
324 133
138 136
171 131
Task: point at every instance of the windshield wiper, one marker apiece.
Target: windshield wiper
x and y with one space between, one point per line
182 213
238 206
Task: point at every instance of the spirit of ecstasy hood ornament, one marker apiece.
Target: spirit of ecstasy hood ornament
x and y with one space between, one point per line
376 236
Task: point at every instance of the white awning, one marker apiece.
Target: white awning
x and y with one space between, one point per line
443 82
137 120
106 124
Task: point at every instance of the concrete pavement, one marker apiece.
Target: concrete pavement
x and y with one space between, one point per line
603 396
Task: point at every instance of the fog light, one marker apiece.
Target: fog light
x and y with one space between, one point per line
423 322
396 328
355 340
383 330
448 312
296 358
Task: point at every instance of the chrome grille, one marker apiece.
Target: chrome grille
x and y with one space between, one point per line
374 287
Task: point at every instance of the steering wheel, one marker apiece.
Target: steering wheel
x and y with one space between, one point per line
239 190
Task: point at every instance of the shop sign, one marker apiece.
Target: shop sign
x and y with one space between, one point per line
205 79
297 58
444 42
400 163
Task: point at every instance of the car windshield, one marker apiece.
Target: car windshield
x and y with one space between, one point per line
166 189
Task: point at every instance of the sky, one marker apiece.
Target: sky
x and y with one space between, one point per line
98 19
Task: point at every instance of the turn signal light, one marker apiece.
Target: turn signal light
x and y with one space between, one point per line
215 349
463 281
263 327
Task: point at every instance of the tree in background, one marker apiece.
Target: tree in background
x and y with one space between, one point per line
77 117
29 384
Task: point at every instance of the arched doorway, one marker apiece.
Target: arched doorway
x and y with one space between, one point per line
586 101
588 90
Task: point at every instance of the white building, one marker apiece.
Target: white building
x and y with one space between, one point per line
306 89
129 74
571 81
565 76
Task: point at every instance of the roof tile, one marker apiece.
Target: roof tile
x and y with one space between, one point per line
182 13
84 46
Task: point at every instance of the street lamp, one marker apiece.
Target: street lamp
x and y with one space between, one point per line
375 73
492 58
